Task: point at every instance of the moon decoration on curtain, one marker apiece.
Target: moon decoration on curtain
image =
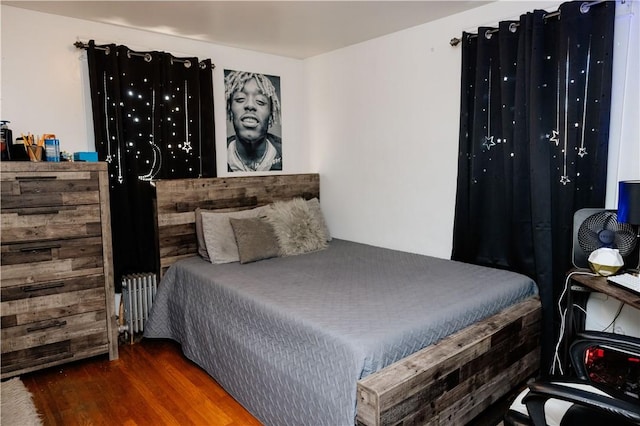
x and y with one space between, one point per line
153 119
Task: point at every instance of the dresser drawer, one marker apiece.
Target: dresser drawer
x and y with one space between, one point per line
31 189
43 261
28 310
73 338
30 293
53 330
44 329
50 223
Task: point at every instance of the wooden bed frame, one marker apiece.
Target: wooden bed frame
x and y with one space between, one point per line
447 383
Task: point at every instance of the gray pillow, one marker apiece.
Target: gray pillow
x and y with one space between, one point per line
202 245
297 229
218 234
255 239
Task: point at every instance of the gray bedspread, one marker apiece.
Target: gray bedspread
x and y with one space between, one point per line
289 337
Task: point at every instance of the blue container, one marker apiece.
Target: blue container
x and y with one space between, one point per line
85 156
52 150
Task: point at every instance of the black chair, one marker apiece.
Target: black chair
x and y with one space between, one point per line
605 389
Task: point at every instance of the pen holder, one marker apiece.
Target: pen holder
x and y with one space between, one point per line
35 152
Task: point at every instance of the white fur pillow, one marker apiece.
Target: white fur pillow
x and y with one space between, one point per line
314 208
296 227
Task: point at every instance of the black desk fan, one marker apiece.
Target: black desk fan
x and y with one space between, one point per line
597 228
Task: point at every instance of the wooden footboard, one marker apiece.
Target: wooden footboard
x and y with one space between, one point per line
452 381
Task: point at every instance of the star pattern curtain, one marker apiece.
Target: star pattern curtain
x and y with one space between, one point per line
153 119
534 131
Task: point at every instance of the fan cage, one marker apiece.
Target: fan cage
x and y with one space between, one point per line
598 228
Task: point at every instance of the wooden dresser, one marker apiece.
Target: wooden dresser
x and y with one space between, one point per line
56 275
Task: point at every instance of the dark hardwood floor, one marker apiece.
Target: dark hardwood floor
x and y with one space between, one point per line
151 383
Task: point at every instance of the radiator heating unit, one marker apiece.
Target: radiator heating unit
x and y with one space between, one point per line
138 293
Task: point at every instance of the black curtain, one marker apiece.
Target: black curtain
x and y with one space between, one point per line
153 119
534 132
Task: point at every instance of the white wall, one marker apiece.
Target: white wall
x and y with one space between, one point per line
378 120
384 121
44 82
624 138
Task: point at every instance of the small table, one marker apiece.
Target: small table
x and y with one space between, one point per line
592 283
601 285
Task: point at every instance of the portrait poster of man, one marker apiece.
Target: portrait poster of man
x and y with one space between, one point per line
254 125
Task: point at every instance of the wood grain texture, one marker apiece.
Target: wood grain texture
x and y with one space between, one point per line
451 382
176 201
107 268
601 285
151 383
56 223
56 275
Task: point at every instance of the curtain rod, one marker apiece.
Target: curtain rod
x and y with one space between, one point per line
584 8
147 56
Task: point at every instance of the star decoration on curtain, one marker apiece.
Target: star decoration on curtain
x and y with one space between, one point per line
109 158
565 180
555 137
488 142
582 150
187 147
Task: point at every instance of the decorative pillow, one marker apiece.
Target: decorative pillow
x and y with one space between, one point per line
297 229
316 211
255 239
218 234
202 245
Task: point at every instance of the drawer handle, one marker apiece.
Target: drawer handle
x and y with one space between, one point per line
45 210
39 248
53 210
31 288
53 324
36 177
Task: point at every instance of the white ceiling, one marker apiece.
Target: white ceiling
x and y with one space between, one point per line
297 29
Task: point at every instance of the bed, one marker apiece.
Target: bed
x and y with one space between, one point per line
338 336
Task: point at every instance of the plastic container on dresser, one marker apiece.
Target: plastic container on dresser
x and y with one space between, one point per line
56 275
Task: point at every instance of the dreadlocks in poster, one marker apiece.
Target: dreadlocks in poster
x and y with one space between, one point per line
254 140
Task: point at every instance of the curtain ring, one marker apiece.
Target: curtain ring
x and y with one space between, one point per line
488 34
185 62
513 27
148 57
203 65
584 7
107 50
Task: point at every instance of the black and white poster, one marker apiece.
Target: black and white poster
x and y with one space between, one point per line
254 125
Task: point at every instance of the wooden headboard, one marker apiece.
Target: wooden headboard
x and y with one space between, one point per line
176 201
